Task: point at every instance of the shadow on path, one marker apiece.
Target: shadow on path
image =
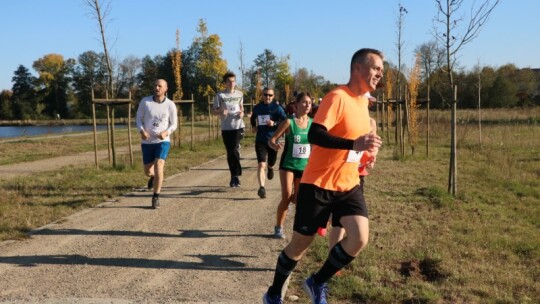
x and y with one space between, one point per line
207 262
182 234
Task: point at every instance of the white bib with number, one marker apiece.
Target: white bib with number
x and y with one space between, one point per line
301 150
263 119
354 156
233 108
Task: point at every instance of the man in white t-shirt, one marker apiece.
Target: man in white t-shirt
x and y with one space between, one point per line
229 105
156 120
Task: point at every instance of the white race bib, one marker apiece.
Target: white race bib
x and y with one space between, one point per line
233 108
354 157
263 119
301 150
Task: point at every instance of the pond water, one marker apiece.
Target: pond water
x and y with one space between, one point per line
19 131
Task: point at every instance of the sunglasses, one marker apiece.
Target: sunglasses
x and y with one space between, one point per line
270 95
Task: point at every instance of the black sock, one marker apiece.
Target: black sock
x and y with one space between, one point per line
156 195
337 260
284 269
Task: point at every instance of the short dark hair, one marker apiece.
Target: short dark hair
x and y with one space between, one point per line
301 95
361 55
228 75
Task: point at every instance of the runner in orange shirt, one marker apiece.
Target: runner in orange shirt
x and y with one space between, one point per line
330 183
367 161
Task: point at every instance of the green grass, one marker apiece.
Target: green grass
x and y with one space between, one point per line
428 247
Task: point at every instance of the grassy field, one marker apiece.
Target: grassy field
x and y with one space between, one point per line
428 247
43 147
425 246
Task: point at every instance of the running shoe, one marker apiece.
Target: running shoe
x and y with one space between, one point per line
150 184
232 183
155 203
270 173
278 232
267 299
317 292
262 192
237 181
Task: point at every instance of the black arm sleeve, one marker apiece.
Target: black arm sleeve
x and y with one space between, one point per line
318 135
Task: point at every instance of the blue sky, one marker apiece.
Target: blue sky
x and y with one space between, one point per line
318 35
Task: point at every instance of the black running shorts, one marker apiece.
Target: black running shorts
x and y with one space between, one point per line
263 150
315 205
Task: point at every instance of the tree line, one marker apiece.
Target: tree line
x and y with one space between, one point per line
63 87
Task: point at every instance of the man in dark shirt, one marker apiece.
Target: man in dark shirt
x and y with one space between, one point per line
266 116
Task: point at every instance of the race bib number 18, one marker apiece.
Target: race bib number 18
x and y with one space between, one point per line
301 150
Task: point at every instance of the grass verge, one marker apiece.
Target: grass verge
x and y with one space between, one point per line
429 247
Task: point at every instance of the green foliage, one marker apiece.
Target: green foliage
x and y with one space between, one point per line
267 65
150 68
24 99
502 94
504 87
5 106
88 74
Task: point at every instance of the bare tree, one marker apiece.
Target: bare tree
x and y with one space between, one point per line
400 47
127 75
101 14
430 56
478 71
242 66
452 36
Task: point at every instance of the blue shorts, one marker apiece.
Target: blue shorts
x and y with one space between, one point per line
150 152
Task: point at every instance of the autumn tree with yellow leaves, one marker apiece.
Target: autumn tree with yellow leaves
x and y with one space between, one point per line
53 78
176 58
414 81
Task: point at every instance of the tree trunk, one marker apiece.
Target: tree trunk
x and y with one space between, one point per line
427 118
479 109
452 178
382 115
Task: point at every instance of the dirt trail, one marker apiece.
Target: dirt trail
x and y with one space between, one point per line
208 243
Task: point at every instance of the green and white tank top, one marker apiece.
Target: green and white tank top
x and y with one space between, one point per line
298 148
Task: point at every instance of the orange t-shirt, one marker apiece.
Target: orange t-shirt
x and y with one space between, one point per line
344 115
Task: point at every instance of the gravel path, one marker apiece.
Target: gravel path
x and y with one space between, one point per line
208 243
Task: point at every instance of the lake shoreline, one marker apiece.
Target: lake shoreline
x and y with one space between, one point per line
60 122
